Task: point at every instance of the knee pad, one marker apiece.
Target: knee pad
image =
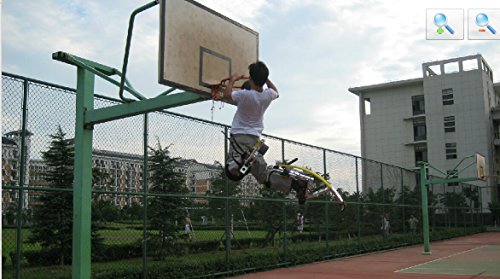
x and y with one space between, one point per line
232 171
282 180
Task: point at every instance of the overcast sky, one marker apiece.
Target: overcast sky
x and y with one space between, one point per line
315 50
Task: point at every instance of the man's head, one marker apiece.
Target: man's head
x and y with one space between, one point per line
258 73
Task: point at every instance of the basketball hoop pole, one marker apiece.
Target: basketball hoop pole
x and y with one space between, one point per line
86 117
424 183
127 45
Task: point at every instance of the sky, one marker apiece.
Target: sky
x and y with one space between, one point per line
315 50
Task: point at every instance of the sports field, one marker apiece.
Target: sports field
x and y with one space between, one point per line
476 256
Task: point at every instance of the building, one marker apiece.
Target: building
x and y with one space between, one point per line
452 112
119 174
11 163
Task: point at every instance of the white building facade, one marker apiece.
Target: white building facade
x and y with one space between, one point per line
448 114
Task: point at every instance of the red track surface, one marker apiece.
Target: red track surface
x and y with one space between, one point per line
384 264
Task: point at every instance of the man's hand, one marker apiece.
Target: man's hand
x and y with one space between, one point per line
229 88
271 85
235 77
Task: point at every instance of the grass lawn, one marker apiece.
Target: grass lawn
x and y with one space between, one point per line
115 237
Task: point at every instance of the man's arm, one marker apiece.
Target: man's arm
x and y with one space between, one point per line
271 85
229 88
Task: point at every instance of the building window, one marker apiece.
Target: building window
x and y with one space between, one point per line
368 108
451 150
420 153
452 174
449 124
447 96
419 130
418 104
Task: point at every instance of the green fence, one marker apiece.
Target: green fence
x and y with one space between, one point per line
139 231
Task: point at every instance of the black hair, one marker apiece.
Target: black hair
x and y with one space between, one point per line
259 73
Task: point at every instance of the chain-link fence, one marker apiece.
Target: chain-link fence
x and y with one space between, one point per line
200 225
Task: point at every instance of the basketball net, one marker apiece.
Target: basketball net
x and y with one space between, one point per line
217 94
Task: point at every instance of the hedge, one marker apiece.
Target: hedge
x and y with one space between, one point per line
213 263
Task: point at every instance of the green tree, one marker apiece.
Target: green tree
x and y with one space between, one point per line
377 203
494 207
217 207
472 194
270 213
53 218
165 212
134 211
315 212
455 205
104 211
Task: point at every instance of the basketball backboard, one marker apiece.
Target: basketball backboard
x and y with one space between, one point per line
199 47
480 166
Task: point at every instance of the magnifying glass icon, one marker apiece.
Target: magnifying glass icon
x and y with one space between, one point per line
440 20
483 20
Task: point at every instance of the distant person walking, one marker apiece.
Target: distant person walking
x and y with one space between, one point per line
188 227
300 222
413 222
386 226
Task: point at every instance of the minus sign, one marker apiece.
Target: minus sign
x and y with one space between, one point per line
482 30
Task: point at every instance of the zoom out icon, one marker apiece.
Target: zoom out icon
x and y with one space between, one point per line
482 20
483 24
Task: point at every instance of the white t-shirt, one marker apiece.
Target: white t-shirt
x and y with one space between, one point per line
249 116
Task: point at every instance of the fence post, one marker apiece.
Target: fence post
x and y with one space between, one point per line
145 175
326 205
226 194
358 213
22 181
425 209
382 186
283 151
403 205
285 239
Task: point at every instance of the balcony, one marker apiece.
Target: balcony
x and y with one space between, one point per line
418 117
495 114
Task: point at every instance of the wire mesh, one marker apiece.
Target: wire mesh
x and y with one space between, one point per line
210 226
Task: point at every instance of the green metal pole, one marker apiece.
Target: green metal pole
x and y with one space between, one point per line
82 195
226 194
425 210
127 45
403 194
481 217
285 239
358 213
326 206
283 151
145 175
382 186
327 236
22 181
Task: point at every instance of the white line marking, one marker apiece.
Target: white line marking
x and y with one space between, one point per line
435 260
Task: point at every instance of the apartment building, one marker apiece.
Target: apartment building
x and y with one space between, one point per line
450 113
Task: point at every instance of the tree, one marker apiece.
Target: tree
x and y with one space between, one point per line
455 204
105 211
315 212
165 212
53 218
494 207
133 211
377 204
270 214
217 188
